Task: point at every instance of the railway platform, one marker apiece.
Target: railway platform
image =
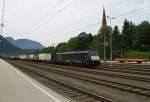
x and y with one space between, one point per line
16 86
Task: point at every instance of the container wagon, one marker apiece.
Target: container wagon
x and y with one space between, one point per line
45 57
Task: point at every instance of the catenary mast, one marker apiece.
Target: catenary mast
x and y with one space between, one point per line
3 12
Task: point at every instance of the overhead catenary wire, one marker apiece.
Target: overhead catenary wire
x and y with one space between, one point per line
116 4
84 27
118 16
130 12
52 17
87 26
119 3
51 8
94 24
45 22
48 20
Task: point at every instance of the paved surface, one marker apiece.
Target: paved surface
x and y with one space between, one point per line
18 87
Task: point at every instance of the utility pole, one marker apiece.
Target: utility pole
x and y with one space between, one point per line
121 52
110 19
2 23
104 47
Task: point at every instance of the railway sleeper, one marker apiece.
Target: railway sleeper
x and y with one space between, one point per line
62 88
137 90
121 86
81 97
89 99
73 95
70 92
146 92
76 95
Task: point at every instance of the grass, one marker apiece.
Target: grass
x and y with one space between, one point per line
138 54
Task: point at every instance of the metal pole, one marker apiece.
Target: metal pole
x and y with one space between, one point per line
110 18
2 24
1 30
110 43
121 52
104 48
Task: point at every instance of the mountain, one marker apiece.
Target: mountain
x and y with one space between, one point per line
25 43
7 47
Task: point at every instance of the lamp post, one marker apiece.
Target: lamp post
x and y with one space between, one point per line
110 19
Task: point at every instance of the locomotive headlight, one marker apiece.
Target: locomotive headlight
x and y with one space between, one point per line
95 58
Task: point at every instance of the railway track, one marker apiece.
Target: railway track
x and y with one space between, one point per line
127 68
100 72
132 71
75 93
127 65
81 76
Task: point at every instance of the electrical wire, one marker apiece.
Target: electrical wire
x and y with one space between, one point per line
127 13
116 4
84 27
52 17
87 26
90 25
51 8
130 12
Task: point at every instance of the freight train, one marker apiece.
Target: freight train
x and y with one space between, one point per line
83 58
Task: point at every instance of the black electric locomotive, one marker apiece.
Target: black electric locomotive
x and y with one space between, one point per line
85 58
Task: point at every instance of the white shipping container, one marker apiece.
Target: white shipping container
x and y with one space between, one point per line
31 57
22 57
41 57
45 57
48 57
27 57
36 57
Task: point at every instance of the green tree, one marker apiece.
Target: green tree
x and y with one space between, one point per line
62 47
116 38
98 41
81 42
143 31
45 50
116 42
126 34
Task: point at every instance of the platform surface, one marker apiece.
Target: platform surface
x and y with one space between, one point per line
16 86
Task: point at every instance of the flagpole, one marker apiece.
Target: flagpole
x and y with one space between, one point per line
104 24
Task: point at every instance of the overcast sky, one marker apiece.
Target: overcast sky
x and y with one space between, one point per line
54 21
